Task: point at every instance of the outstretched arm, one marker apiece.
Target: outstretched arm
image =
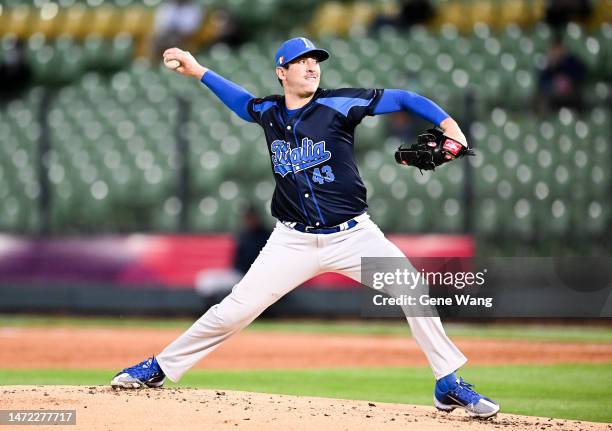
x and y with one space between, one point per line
402 100
232 95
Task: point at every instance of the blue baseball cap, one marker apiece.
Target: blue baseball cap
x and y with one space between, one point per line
297 47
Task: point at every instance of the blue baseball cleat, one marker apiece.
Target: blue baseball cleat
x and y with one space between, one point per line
448 396
145 374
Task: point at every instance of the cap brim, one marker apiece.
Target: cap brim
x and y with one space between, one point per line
319 54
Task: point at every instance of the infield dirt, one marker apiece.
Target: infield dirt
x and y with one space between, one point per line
102 408
114 348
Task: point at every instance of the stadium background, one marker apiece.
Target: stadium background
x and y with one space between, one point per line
104 142
119 180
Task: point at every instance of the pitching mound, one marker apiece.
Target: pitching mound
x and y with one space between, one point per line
102 408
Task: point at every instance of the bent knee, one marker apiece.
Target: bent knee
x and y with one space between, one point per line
230 314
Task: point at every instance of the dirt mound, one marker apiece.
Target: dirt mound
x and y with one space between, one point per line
117 348
102 408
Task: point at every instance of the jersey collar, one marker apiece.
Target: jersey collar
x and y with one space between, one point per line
317 94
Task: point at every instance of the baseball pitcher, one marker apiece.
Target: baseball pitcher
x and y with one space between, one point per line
320 204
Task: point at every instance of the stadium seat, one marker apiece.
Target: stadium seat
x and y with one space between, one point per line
112 131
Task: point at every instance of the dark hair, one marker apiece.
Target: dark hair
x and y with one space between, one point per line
286 66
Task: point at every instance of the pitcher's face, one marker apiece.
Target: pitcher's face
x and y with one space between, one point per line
301 77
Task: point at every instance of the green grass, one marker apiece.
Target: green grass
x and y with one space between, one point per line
561 333
21 320
571 391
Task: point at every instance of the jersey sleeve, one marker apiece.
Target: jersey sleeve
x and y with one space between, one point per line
232 95
258 108
353 103
400 100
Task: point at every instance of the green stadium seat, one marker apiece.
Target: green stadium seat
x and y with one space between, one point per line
488 216
112 125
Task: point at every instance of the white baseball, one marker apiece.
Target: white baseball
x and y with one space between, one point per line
172 64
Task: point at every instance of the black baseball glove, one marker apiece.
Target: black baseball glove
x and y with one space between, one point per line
431 149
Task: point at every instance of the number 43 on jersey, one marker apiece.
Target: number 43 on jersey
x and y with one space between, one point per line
323 175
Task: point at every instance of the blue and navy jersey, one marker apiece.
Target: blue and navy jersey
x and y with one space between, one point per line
312 155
